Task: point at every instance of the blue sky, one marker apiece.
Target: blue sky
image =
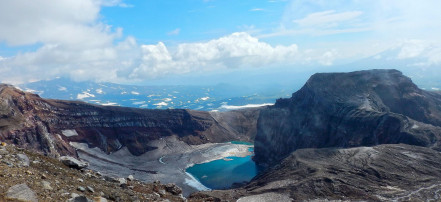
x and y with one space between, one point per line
187 21
143 41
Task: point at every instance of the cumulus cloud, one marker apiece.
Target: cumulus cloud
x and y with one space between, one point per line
73 42
128 60
234 51
72 22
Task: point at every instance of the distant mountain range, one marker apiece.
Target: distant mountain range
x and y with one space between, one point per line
219 97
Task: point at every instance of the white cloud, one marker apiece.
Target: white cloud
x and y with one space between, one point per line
75 43
383 20
233 51
70 22
411 49
328 18
84 94
73 40
328 22
130 61
174 32
124 5
105 63
425 52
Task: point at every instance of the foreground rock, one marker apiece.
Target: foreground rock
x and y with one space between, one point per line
362 108
21 192
47 179
380 173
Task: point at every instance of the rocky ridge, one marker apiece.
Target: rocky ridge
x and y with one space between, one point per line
48 126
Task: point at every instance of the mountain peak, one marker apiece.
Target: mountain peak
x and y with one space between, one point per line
360 82
362 108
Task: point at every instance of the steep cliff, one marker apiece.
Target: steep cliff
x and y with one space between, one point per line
361 108
49 125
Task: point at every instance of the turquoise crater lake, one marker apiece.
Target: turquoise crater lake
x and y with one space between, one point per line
222 173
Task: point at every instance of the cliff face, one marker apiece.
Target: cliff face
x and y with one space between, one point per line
362 108
49 125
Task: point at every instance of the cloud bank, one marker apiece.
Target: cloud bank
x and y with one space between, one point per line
71 39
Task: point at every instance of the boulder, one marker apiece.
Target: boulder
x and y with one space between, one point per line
73 162
90 189
79 199
172 188
99 199
46 185
24 160
130 178
81 189
21 192
122 181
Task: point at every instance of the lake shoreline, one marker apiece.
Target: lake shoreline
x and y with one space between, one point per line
169 161
224 173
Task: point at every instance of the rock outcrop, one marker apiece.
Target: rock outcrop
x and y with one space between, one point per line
363 108
49 125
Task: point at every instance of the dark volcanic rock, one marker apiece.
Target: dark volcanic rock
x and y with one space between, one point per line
362 108
49 125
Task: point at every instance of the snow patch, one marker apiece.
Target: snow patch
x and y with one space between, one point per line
232 107
161 104
84 95
110 104
69 133
99 91
62 88
30 90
